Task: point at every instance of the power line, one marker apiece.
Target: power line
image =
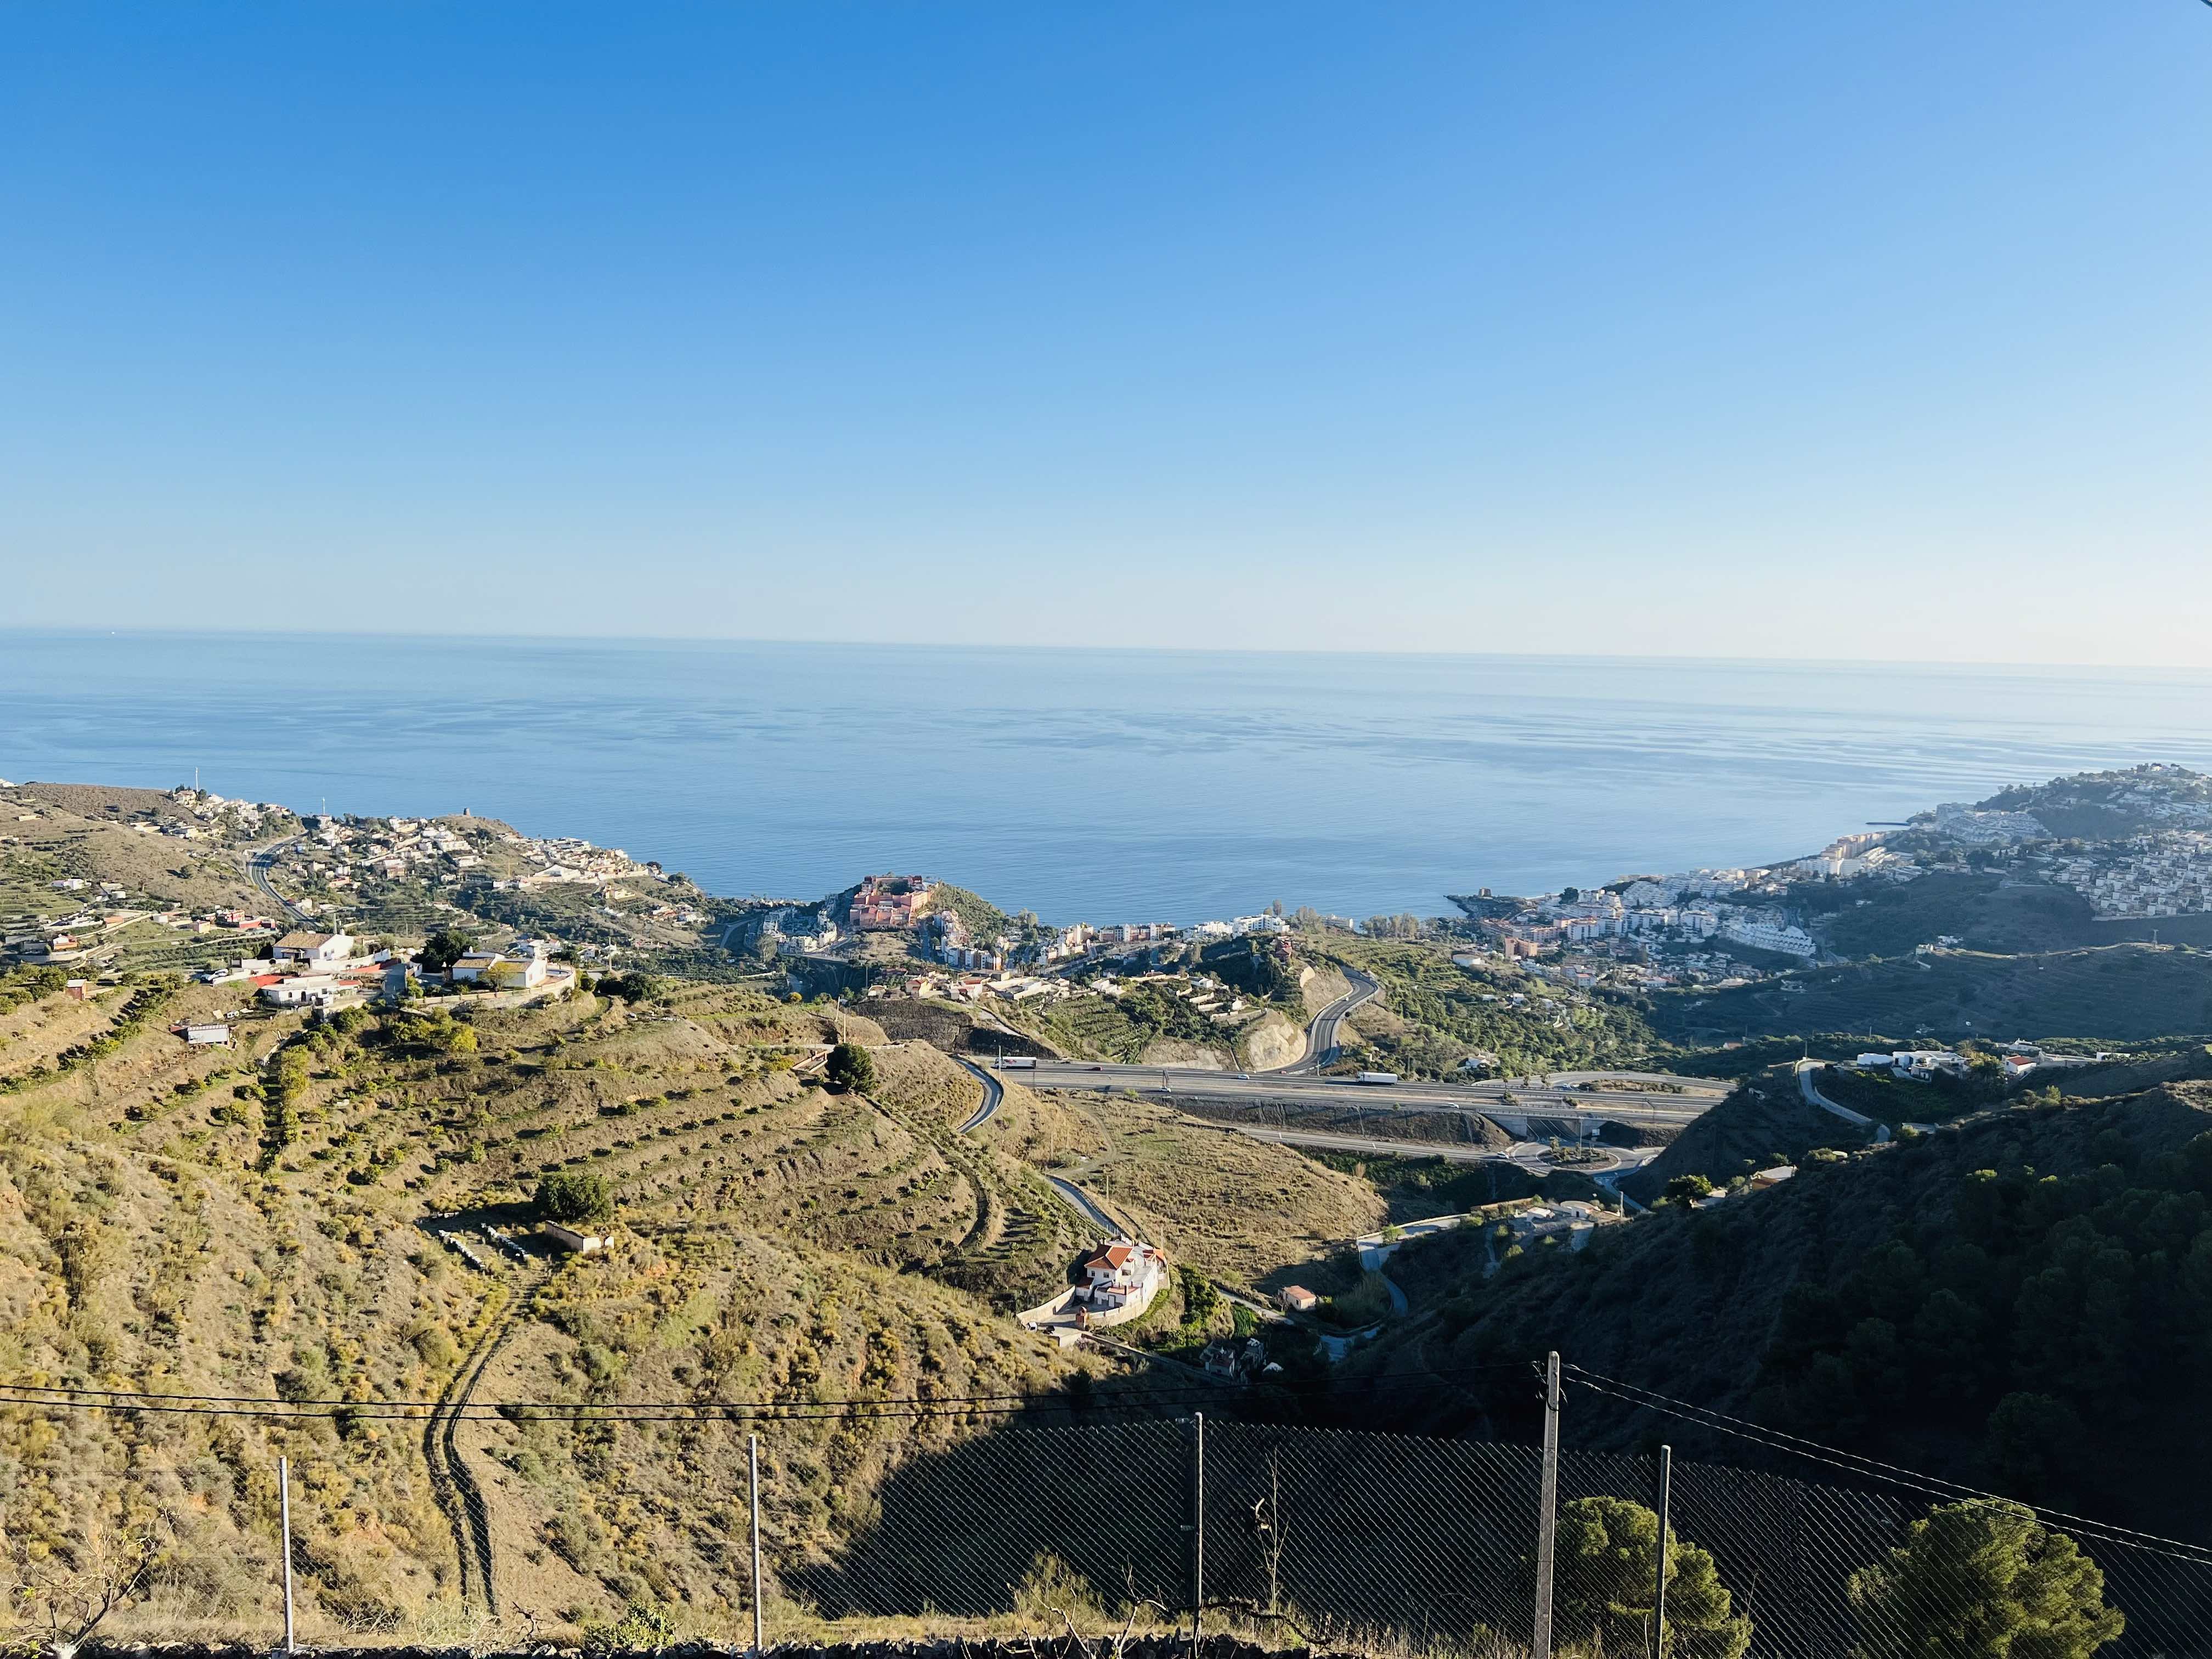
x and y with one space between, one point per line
1865 1467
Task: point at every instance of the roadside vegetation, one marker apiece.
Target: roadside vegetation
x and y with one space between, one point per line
1434 1015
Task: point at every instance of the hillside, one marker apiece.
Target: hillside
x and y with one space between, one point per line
341 1211
1984 910
1433 1014
2103 805
1235 1207
1764 1122
2119 993
2019 1301
270 1220
153 873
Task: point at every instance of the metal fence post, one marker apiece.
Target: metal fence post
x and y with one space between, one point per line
1547 1511
1659 1582
1197 1529
753 1466
284 1515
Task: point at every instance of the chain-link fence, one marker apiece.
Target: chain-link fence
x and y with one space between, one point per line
630 1528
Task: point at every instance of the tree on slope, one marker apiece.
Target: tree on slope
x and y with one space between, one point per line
576 1197
849 1066
1607 1557
1982 1580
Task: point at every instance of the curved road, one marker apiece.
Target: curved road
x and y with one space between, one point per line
993 1092
256 861
1811 1090
1322 1044
1085 1205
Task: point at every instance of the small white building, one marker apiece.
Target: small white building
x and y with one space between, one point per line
569 1238
1925 1063
207 1036
303 990
498 970
315 949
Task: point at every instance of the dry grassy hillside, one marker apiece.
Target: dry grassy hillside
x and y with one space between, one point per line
1236 1208
338 1214
51 831
264 1221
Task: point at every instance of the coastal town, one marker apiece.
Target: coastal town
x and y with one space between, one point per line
546 902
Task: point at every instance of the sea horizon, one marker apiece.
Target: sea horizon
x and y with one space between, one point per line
1099 783
1963 666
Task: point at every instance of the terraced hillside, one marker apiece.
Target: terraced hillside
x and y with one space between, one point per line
334 1213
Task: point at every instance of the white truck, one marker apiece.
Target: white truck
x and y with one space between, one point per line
1017 1062
1377 1077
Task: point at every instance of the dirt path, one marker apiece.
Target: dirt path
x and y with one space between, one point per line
454 1483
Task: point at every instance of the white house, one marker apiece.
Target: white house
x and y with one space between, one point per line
524 971
1121 1273
315 949
302 989
1928 1062
207 1035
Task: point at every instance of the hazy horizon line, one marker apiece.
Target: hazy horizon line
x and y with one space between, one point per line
464 637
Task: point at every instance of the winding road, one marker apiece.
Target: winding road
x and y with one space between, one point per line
1323 1046
1084 1205
255 861
993 1092
1806 1071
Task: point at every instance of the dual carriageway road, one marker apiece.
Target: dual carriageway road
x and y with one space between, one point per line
1610 1094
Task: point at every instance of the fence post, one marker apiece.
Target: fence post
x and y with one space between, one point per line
1197 1530
752 1469
1547 1511
1659 1583
284 1515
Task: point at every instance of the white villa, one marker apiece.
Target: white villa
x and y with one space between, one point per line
1121 1274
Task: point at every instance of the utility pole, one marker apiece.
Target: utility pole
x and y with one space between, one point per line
752 1469
1547 1511
1197 1530
1659 1582
285 1513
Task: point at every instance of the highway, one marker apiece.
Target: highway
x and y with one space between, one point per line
1321 1043
1549 1097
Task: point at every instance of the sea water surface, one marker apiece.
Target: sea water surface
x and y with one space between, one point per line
1083 784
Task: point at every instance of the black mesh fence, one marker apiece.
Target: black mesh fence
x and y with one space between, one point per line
1294 1536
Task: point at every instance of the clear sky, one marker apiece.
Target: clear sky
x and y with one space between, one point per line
1729 327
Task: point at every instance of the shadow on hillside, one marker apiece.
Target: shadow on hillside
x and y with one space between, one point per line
1355 1532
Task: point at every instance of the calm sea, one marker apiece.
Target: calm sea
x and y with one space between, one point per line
1104 784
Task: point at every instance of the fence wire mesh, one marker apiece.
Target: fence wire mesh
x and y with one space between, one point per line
633 1531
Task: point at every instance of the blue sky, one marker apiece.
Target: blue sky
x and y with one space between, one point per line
1721 329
